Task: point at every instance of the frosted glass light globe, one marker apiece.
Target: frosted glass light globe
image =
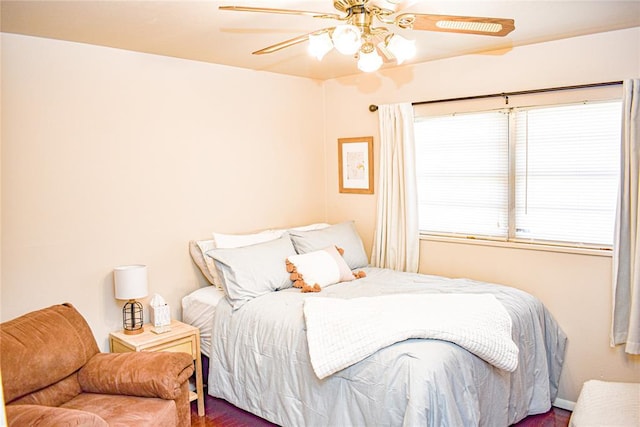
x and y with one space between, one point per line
401 48
346 39
369 62
319 45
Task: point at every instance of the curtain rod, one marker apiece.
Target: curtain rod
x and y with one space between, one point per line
506 95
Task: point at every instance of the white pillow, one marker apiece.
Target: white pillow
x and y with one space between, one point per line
222 240
239 240
324 267
254 270
197 250
310 227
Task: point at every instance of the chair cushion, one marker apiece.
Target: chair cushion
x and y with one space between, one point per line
54 395
43 347
118 410
50 416
143 374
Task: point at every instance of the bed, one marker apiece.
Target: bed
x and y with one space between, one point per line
258 342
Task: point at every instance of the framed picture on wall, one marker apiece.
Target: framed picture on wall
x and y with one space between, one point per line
355 164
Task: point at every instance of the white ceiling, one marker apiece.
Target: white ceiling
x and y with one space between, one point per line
197 30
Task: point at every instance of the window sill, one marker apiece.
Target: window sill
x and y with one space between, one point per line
605 252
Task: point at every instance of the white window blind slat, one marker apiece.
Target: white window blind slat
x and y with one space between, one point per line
567 172
463 173
564 176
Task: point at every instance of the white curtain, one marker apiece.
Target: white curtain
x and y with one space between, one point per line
396 243
626 250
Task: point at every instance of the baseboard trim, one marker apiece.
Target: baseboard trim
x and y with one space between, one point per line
564 404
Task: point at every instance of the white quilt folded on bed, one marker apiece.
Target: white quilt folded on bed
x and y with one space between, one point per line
341 332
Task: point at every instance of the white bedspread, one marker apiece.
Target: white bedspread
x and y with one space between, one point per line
341 332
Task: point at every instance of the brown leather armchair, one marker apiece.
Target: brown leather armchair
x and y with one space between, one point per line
54 374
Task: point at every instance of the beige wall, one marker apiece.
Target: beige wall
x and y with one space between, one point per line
112 157
576 288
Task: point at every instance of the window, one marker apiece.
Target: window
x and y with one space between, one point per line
463 173
545 174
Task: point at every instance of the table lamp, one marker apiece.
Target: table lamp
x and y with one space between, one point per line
130 284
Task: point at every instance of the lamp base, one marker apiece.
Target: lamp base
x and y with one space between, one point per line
132 318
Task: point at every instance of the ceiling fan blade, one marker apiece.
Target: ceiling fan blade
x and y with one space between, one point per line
287 43
281 11
456 24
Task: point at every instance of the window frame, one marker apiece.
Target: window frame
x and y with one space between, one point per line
603 94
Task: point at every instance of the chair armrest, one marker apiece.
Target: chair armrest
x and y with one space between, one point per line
143 374
50 416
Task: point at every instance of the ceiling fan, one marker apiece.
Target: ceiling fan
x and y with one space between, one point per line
356 34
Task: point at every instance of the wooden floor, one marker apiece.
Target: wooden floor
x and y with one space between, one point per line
219 413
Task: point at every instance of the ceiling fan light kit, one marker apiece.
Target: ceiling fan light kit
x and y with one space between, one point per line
400 47
346 39
319 45
369 62
358 37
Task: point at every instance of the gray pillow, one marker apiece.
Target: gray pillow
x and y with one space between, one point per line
254 270
343 235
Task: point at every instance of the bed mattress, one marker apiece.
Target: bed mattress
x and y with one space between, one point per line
198 309
259 361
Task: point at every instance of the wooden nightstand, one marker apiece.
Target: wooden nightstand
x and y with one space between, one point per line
182 338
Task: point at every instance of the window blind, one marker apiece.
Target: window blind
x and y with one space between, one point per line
567 162
463 173
541 173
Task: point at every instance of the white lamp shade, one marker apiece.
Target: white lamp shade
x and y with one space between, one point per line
369 62
346 39
130 281
402 48
319 45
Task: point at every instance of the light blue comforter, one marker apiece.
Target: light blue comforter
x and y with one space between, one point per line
259 361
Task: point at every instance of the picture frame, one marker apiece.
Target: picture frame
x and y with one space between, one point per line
355 165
